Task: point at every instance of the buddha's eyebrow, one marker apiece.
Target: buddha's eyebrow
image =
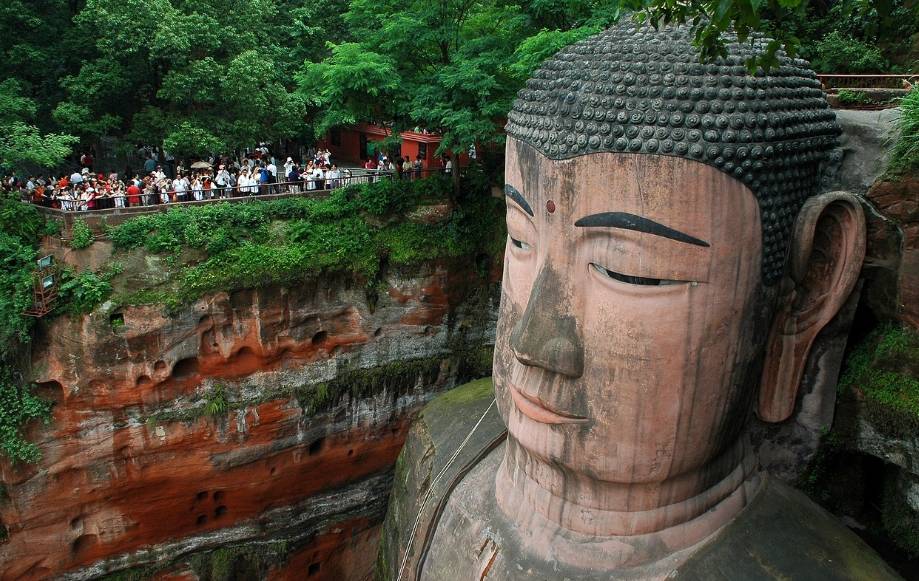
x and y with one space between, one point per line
512 193
638 224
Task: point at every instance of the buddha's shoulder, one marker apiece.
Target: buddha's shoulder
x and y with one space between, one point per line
449 434
782 534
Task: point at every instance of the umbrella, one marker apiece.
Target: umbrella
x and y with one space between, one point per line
200 165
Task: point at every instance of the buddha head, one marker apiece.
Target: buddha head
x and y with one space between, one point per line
668 262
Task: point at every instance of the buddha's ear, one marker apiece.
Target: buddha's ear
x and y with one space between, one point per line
827 250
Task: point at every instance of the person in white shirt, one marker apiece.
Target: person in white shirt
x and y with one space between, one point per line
197 189
222 180
273 170
334 177
318 176
180 187
118 195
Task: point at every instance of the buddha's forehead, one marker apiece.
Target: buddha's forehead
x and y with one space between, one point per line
637 89
677 190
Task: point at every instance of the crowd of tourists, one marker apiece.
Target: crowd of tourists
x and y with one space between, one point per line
251 175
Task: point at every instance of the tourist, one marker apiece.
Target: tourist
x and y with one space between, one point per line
264 179
334 177
318 177
180 187
406 168
272 176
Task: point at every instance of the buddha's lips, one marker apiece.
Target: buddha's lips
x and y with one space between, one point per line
537 411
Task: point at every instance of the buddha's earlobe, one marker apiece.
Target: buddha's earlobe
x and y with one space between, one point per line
827 250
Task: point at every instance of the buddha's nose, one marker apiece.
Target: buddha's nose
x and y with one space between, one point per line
547 334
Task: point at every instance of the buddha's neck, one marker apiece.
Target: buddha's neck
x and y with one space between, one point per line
682 510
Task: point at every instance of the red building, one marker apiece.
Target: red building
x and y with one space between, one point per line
351 144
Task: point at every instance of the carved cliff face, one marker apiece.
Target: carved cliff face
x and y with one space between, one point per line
626 345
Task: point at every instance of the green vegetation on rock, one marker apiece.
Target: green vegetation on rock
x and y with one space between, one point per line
847 97
239 562
900 521
21 227
885 370
357 230
80 235
905 154
18 406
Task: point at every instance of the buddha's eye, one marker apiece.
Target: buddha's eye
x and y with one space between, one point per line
629 279
520 244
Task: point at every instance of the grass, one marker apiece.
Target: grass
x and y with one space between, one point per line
905 155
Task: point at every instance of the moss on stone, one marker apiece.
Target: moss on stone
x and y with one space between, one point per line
901 524
239 562
397 377
884 368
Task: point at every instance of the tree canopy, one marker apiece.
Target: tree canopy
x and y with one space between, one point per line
198 76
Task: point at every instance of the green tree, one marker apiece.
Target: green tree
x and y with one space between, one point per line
196 75
22 144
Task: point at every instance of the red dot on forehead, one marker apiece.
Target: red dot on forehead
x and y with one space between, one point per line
550 206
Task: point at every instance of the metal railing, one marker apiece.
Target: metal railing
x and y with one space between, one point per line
830 81
156 201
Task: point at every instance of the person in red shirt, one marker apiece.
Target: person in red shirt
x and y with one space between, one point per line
133 195
370 165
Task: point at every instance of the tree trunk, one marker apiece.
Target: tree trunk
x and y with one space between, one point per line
455 174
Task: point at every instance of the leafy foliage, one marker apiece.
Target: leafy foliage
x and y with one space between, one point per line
18 406
905 155
885 368
80 293
844 54
80 236
22 145
848 97
215 402
195 75
20 228
354 230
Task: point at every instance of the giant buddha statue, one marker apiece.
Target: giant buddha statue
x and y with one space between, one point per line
669 264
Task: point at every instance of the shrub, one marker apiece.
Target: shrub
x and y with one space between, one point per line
905 154
839 53
848 97
284 241
80 235
83 292
17 407
215 402
20 228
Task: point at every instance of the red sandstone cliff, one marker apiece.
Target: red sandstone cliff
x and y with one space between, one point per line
252 432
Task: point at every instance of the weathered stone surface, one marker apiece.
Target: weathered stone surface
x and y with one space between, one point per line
426 468
254 417
863 149
898 201
779 535
785 450
901 450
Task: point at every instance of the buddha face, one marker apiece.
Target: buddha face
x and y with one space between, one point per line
631 322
